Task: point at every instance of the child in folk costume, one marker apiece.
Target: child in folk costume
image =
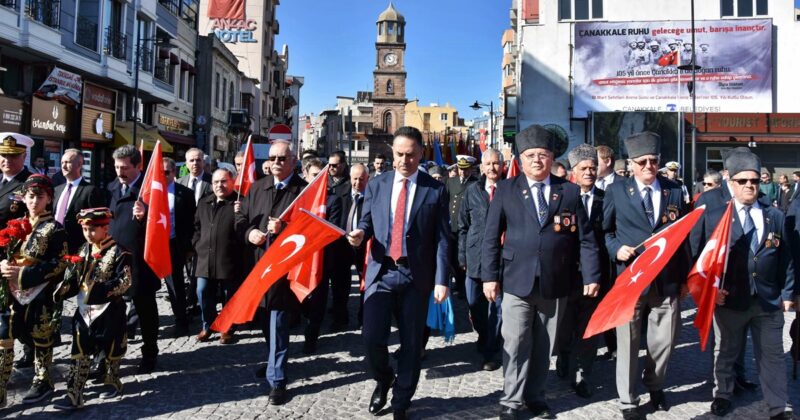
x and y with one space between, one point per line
100 276
31 276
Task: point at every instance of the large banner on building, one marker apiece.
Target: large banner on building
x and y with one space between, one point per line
633 66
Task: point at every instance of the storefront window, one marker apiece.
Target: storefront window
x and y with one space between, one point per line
87 24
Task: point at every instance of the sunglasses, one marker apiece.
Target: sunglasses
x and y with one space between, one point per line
744 181
643 162
333 165
278 158
709 184
167 172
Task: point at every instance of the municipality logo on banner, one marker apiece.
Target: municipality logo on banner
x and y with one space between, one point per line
633 66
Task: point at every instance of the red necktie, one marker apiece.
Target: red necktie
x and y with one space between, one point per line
491 192
398 227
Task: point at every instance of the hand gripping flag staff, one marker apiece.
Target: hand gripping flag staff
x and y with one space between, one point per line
617 306
153 193
706 275
305 235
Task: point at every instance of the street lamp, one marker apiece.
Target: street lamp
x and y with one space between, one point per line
692 86
476 106
156 43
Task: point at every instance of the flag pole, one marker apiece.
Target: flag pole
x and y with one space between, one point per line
240 176
139 193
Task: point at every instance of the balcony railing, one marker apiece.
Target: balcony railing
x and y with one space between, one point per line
161 71
171 5
46 12
11 4
146 60
116 44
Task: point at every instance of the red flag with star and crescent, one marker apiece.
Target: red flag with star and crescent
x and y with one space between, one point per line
617 306
156 238
704 279
302 237
247 176
513 168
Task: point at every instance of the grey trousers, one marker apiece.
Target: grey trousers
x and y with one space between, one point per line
663 324
767 331
529 335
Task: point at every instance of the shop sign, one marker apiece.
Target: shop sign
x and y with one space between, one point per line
10 114
228 22
51 119
97 97
97 125
173 124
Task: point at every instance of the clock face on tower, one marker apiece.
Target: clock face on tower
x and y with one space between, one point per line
390 59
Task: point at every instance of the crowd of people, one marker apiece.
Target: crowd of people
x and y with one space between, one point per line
532 254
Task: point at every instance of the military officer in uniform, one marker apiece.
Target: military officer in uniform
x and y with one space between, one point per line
456 186
13 149
32 275
99 276
633 210
757 288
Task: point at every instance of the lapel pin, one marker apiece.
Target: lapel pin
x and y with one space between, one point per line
630 190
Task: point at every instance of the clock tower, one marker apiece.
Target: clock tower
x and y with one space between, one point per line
389 93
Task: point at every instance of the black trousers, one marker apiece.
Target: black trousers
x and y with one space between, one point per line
144 311
410 306
176 287
341 282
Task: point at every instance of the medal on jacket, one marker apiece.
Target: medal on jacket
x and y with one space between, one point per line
565 221
773 240
672 214
557 223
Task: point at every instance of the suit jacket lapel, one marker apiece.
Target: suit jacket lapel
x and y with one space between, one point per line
767 228
632 189
556 196
525 197
385 201
419 198
666 194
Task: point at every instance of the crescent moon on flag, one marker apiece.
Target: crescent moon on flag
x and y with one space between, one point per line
298 240
661 243
701 259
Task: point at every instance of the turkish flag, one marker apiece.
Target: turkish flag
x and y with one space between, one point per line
513 168
226 9
307 275
362 283
247 176
483 140
617 306
670 59
304 236
156 238
704 279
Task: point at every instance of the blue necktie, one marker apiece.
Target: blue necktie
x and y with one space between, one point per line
750 230
541 209
648 206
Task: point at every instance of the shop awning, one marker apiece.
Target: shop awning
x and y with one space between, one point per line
744 139
177 138
123 134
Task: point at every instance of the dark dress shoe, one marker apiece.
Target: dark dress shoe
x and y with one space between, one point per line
631 414
146 366
786 415
541 411
378 399
582 389
720 407
277 396
309 345
742 384
490 365
508 413
399 414
659 401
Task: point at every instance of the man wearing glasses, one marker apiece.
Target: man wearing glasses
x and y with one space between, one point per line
758 287
258 224
634 210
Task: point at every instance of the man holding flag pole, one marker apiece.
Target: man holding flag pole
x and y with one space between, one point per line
756 286
633 210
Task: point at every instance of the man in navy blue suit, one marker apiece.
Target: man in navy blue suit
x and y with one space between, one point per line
633 210
758 286
548 240
405 213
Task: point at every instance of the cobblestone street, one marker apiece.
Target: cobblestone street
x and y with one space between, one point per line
209 380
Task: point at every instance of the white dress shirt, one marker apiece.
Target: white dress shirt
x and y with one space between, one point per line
605 181
535 193
655 196
397 185
755 213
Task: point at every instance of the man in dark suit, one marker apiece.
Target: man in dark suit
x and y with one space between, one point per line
339 250
80 194
575 354
548 240
258 224
633 210
455 190
181 213
13 149
199 181
128 229
795 185
485 315
353 206
757 288
405 214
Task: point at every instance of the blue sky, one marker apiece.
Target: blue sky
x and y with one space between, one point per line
453 51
